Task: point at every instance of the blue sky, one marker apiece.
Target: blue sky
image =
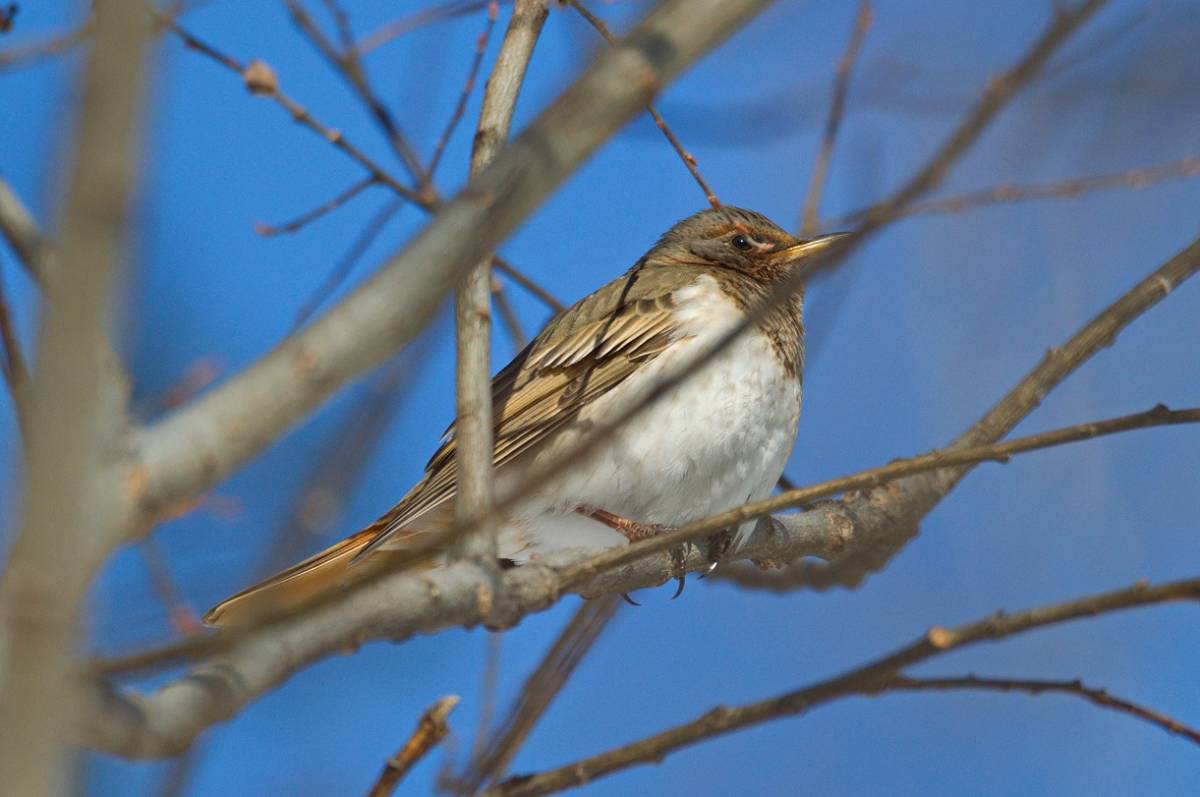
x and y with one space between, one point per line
927 326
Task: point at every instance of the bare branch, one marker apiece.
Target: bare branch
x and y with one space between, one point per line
16 372
837 109
539 691
1035 687
493 11
426 16
261 81
298 223
1008 193
36 252
461 593
77 411
358 247
431 729
349 66
473 319
28 54
510 271
689 161
867 679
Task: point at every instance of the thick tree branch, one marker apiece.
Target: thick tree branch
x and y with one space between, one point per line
77 412
190 451
868 679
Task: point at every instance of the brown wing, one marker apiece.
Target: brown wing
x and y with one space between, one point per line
582 354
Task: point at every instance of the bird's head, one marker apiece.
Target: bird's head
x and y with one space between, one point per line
737 239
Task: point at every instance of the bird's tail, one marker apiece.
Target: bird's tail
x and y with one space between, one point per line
319 574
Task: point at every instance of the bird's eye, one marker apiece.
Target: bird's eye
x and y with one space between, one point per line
741 243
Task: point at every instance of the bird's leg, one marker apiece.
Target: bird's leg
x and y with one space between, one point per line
634 530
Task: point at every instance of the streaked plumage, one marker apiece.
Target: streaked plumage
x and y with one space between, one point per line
719 439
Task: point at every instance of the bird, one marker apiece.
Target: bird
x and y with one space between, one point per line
716 440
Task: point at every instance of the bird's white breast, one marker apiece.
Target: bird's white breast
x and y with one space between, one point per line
715 441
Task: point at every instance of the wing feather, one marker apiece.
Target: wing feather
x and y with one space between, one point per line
582 354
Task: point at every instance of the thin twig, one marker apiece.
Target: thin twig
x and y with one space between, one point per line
431 729
427 16
867 679
35 251
539 691
342 269
348 65
1073 188
508 316
837 109
1074 688
481 42
260 79
689 161
535 290
23 55
16 372
298 223
184 620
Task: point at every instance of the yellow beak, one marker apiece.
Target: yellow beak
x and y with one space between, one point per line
808 248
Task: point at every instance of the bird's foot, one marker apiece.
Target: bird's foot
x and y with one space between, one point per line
634 530
718 546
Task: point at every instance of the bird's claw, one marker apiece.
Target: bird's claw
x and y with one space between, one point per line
679 557
718 545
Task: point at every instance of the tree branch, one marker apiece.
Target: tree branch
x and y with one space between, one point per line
868 679
77 412
1035 687
837 109
431 729
36 252
473 318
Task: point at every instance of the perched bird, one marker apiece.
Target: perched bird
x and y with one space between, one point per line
713 442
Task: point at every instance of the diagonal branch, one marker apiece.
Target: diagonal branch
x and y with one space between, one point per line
1038 686
540 689
868 679
431 729
837 109
689 161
